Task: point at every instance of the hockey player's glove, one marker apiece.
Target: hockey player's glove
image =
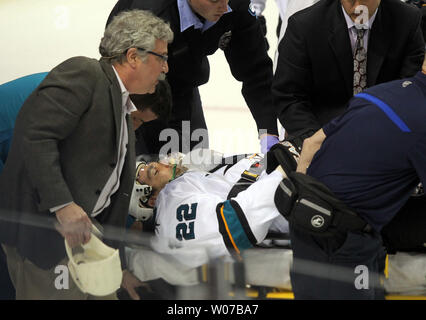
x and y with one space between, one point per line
284 154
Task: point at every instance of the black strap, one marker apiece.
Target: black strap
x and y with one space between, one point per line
247 178
274 235
229 162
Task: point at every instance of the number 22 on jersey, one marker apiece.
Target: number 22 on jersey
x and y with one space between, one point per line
186 216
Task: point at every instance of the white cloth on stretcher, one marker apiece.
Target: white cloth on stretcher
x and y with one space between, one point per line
263 267
407 274
271 268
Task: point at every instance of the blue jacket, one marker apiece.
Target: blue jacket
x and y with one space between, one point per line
375 153
12 97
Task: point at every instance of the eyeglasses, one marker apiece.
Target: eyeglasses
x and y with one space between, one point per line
162 57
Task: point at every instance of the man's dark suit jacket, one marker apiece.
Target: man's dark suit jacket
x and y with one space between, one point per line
314 75
64 149
189 67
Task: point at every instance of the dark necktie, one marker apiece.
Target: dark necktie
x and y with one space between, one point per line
360 63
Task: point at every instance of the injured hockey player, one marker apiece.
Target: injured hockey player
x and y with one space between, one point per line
202 206
205 206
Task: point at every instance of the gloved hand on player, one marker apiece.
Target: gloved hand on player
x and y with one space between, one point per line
285 154
267 141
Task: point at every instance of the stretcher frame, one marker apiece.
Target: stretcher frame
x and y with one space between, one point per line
226 276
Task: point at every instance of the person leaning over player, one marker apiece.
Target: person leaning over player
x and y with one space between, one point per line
201 27
158 106
13 95
72 155
361 172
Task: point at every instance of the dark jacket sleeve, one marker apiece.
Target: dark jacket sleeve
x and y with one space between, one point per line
415 47
293 84
249 62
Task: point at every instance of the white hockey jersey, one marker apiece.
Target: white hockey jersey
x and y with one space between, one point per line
195 222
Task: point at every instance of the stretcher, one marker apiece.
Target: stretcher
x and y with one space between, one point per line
265 273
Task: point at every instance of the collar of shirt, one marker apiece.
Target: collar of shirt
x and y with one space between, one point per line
189 19
128 105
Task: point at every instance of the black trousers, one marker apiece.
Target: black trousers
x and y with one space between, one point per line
190 134
345 267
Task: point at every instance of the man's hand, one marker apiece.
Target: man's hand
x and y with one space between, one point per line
130 283
267 141
74 224
310 146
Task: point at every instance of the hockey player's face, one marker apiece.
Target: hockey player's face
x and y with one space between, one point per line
211 10
155 174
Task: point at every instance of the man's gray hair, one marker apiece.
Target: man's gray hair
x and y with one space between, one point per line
133 29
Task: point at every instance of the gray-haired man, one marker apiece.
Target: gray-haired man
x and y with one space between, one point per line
72 156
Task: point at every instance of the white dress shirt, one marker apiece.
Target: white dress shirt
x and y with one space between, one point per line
114 180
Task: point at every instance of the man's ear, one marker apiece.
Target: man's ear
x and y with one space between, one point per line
132 56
